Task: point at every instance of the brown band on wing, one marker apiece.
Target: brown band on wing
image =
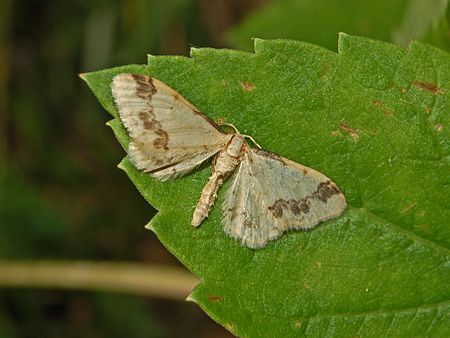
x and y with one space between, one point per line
144 86
296 207
326 190
150 122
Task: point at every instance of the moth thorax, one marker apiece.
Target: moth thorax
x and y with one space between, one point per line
235 146
229 158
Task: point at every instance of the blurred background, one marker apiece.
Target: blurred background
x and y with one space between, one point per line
61 195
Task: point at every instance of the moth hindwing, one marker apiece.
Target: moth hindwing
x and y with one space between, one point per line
270 195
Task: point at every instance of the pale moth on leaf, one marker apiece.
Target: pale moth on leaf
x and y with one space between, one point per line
268 195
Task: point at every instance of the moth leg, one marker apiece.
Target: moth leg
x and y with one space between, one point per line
225 163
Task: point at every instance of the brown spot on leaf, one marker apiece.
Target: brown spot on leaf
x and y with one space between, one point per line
335 133
298 324
431 87
427 109
305 172
351 131
439 127
247 86
380 103
214 298
377 102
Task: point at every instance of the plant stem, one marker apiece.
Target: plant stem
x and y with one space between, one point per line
148 280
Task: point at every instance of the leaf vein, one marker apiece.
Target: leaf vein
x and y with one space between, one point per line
409 234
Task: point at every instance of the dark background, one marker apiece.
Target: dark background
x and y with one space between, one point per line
61 195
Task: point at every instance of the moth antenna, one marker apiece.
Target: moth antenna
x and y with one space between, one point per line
232 126
221 123
253 140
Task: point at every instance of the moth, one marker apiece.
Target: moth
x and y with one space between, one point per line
268 194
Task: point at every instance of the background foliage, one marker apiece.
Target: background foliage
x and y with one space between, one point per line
398 21
60 196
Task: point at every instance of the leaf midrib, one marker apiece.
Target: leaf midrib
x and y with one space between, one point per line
380 311
396 311
407 233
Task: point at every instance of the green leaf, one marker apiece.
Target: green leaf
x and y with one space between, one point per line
320 22
375 118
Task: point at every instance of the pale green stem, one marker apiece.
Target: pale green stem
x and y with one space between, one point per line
148 280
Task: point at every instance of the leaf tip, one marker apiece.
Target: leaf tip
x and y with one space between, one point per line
109 123
257 42
191 298
150 58
149 226
193 51
121 165
342 38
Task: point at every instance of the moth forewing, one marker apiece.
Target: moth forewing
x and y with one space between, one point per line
271 194
169 137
